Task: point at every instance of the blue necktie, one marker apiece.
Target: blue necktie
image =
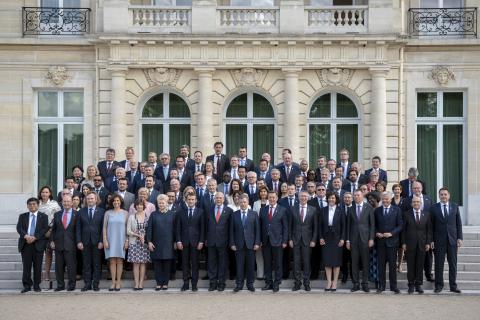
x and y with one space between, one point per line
190 213
90 213
32 225
244 218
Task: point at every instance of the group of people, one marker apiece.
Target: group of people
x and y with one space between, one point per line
245 220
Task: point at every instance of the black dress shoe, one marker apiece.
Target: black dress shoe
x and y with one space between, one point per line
344 279
395 290
267 287
221 288
296 287
437 290
71 289
59 289
111 289
355 288
194 288
366 289
410 290
307 287
163 288
419 289
212 287
184 287
455 290
236 289
117 289
24 290
276 288
327 289
430 279
96 288
379 290
37 289
251 288
86 288
205 277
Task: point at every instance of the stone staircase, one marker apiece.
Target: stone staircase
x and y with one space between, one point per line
468 277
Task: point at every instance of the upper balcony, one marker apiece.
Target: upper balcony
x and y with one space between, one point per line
55 21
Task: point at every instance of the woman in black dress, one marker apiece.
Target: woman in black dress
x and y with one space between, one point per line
160 238
400 202
332 237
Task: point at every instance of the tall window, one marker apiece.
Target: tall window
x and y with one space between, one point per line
440 141
59 128
165 124
250 122
172 2
441 3
61 3
333 125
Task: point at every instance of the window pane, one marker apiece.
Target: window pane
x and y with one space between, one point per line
47 104
49 3
321 107
345 107
238 107
261 107
347 137
263 140
427 156
453 104
236 137
152 139
178 107
47 155
184 2
319 142
71 4
453 161
73 104
179 135
426 104
72 147
154 107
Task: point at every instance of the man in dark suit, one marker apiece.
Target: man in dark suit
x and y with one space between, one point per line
100 190
224 186
90 240
352 182
129 161
447 238
263 171
190 237
183 174
189 163
64 243
218 227
32 227
319 202
289 203
132 175
416 239
344 162
244 241
200 188
162 172
274 184
244 161
197 165
321 164
324 178
152 192
107 167
382 174
221 163
360 238
68 189
274 232
362 179
288 170
251 188
337 188
407 184
112 182
388 225
303 236
128 198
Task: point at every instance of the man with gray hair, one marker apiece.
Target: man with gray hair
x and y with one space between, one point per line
407 184
251 188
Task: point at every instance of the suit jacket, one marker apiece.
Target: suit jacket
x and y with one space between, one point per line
152 198
427 203
222 166
59 196
252 197
270 186
306 231
130 176
339 224
41 228
446 231
124 162
190 231
190 166
218 232
102 168
406 185
314 203
294 171
382 174
416 235
186 180
193 168
64 239
392 222
285 202
248 236
249 165
89 231
361 229
161 178
345 173
276 230
268 176
128 199
103 194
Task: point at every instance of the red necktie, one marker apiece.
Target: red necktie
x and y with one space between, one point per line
270 214
64 220
217 217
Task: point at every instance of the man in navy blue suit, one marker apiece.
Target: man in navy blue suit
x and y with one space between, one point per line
263 171
244 161
382 174
129 157
244 241
447 238
344 162
251 188
288 170
220 161
107 167
388 225
407 184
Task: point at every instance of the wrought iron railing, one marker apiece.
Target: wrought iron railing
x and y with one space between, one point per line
55 21
442 22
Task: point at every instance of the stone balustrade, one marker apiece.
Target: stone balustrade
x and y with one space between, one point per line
336 19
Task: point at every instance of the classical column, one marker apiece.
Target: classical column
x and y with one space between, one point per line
205 110
290 117
118 121
378 114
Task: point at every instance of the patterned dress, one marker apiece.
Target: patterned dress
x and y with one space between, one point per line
137 252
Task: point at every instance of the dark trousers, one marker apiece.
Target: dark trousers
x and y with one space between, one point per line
360 254
415 262
387 255
231 263
190 264
451 253
91 264
217 264
428 263
31 257
245 264
176 262
316 260
287 259
301 256
162 271
272 258
346 266
79 260
65 258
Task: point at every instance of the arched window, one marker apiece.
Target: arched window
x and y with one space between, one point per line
333 125
250 122
165 124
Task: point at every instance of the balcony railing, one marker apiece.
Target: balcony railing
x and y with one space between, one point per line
337 19
248 20
442 22
55 21
154 19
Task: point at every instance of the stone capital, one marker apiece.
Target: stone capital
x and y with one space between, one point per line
117 71
204 71
291 71
379 71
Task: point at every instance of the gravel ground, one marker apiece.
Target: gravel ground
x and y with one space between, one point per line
265 306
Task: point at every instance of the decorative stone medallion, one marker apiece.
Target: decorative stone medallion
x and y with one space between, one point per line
57 75
162 76
441 75
335 76
248 77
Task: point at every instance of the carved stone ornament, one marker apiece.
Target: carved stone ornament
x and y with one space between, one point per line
441 75
335 76
162 76
248 77
57 75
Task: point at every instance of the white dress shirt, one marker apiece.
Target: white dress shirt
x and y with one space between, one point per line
30 217
331 213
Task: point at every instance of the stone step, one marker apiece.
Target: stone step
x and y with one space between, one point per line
8 242
461 250
468 258
471 243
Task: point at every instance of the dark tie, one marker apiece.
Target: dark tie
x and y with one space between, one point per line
359 210
385 212
410 189
90 213
321 203
33 224
244 218
211 197
190 213
417 216
291 202
445 212
198 168
217 158
288 172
